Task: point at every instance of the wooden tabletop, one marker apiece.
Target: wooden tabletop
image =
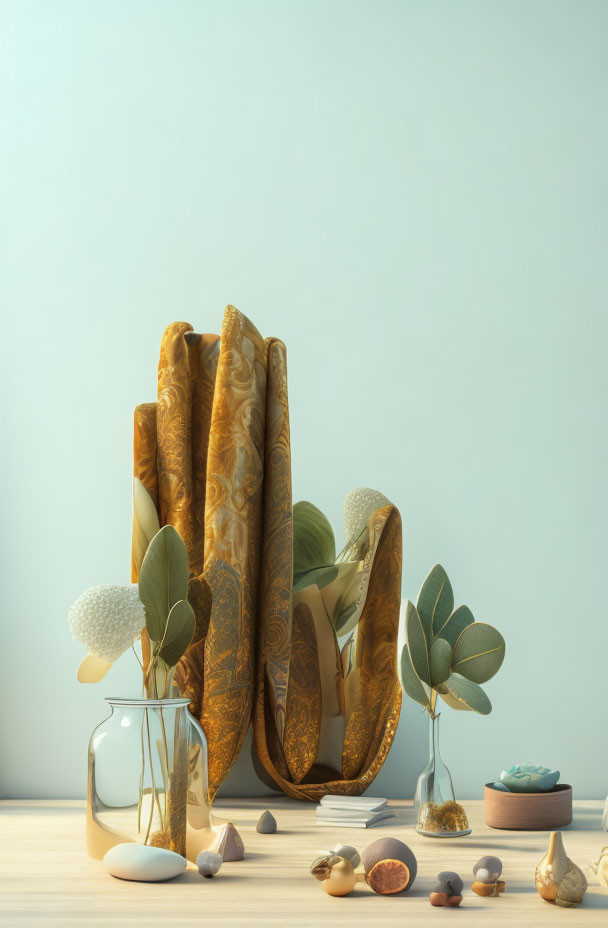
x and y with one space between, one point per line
46 877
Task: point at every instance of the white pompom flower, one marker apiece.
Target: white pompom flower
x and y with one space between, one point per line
107 620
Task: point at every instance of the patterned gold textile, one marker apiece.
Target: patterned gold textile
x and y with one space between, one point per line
214 454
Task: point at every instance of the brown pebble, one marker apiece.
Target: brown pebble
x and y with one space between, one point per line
438 899
488 889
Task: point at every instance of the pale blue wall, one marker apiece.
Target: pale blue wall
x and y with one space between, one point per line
413 196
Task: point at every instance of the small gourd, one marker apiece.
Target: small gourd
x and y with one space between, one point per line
336 874
558 879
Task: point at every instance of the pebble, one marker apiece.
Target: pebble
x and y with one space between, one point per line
143 863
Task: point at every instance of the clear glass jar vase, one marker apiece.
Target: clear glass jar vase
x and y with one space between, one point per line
438 815
147 779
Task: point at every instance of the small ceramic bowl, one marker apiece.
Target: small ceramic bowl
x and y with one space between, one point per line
528 811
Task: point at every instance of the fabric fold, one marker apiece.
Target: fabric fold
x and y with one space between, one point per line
214 454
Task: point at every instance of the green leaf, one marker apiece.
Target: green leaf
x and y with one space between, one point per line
313 539
345 611
458 621
178 633
321 576
416 639
435 601
163 579
440 657
478 652
466 695
340 618
410 681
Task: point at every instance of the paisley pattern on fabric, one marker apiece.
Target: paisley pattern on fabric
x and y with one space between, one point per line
214 454
233 538
274 615
303 711
372 692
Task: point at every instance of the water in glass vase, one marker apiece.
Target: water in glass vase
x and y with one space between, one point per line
147 779
437 812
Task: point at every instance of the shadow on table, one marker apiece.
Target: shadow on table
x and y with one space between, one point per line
597 899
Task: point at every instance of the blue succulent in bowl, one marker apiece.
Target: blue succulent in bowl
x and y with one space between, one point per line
529 778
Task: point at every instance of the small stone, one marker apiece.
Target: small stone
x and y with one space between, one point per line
229 843
449 883
487 869
438 898
143 863
208 863
267 824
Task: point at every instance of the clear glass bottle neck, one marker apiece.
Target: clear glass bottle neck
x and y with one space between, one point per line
434 753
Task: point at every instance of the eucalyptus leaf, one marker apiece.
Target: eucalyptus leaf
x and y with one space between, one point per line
163 579
411 682
440 657
178 633
458 620
417 642
466 695
341 619
478 652
320 576
435 601
313 539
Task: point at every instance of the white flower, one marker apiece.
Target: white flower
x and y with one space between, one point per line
107 620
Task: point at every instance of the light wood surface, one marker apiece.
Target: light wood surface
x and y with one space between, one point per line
46 877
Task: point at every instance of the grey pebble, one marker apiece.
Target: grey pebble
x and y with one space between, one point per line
448 882
267 824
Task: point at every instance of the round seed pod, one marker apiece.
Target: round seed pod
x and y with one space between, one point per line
390 866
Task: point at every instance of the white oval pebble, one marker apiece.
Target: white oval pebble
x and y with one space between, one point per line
143 863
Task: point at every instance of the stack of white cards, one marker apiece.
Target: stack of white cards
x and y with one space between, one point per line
352 811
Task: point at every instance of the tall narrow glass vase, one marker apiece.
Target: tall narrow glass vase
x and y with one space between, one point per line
437 812
147 779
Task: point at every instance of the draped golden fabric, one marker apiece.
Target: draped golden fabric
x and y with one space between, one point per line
214 453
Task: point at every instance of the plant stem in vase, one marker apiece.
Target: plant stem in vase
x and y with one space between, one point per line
437 812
